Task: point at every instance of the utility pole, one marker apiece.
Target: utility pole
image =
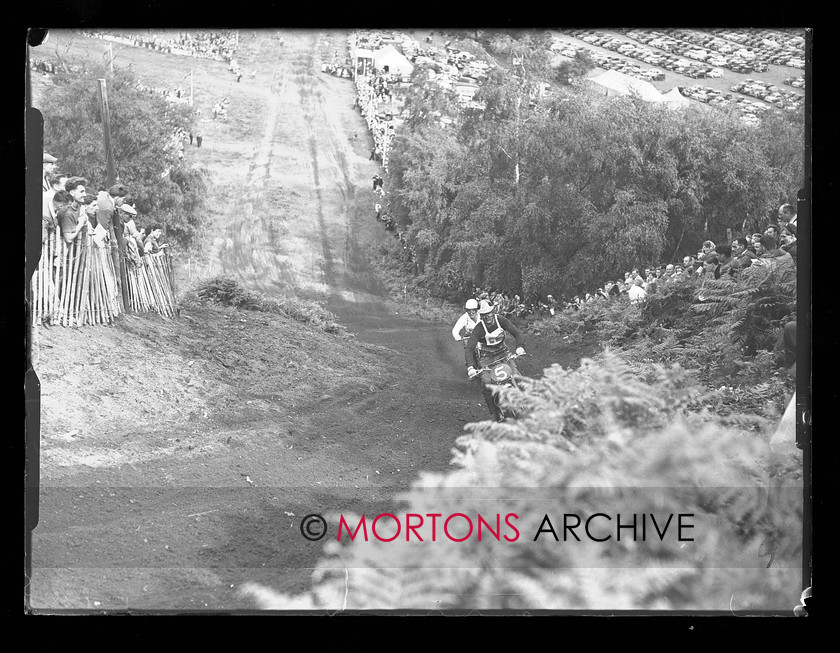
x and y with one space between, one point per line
118 253
355 56
516 167
106 131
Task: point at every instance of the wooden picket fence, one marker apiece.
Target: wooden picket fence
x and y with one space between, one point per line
76 284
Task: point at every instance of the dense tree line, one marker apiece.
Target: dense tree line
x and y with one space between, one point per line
555 195
145 129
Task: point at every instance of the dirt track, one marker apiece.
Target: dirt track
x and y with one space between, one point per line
178 512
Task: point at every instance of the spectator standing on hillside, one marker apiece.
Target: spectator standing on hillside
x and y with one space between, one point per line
742 257
127 213
722 258
107 218
706 250
131 235
76 187
788 242
152 244
58 181
70 220
89 207
770 256
787 214
636 293
773 230
50 163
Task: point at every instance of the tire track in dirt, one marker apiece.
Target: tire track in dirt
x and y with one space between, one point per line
358 274
244 252
306 90
269 247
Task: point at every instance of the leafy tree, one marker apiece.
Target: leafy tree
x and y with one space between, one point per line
426 102
559 194
570 71
144 128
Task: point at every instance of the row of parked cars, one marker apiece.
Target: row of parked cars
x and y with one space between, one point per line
704 47
782 48
760 47
618 64
749 110
771 93
674 56
750 48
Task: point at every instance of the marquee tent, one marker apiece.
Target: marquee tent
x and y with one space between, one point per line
613 83
394 59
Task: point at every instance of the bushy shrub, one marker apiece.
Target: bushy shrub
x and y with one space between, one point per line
229 292
600 440
728 332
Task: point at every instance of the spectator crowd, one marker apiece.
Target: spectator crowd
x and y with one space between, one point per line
772 250
98 257
70 206
219 45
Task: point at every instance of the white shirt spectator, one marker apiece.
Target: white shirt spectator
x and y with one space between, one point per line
636 293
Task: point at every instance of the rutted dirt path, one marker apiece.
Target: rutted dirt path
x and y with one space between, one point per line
178 513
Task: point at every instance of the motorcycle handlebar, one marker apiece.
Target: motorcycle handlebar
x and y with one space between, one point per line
501 360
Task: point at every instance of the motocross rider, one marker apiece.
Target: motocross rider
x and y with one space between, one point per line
466 323
490 333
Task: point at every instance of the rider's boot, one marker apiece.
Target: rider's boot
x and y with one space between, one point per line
495 414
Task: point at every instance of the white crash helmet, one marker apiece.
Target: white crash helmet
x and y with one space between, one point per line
471 305
485 307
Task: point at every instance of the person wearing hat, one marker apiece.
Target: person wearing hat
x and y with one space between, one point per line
133 248
466 323
49 168
127 213
489 333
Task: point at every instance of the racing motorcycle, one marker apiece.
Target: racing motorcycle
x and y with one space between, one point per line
501 375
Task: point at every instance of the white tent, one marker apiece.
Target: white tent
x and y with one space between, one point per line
612 83
675 97
394 59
